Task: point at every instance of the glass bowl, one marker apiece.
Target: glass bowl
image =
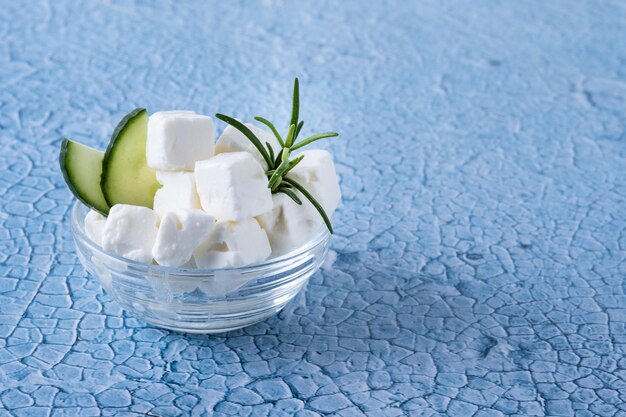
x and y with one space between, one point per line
200 300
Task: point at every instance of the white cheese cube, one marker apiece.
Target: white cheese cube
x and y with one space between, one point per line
232 186
94 223
289 225
233 244
130 232
316 173
180 233
178 192
177 139
232 140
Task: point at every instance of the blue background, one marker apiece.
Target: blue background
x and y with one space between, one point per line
479 258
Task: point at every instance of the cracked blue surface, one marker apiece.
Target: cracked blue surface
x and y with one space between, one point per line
478 263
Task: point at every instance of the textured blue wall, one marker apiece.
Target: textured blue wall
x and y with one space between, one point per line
478 262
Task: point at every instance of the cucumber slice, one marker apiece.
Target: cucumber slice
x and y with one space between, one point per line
82 168
126 177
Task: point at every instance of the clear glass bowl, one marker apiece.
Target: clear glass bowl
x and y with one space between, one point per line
200 300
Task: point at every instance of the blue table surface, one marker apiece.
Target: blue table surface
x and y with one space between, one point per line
478 263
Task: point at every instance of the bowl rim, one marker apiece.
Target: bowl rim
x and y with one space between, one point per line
78 231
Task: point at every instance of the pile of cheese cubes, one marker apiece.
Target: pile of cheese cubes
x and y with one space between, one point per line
214 209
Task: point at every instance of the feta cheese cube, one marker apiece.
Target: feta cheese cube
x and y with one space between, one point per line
232 186
178 192
177 139
316 173
130 232
233 244
289 225
94 223
180 233
232 140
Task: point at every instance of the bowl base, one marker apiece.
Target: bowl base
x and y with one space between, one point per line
181 328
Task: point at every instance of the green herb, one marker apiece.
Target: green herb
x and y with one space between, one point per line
278 163
272 128
295 104
313 138
270 150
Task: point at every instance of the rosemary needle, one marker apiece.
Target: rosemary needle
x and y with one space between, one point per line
299 128
295 106
272 128
289 193
270 150
290 136
312 139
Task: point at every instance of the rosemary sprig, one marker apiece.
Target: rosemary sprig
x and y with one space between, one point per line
278 163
